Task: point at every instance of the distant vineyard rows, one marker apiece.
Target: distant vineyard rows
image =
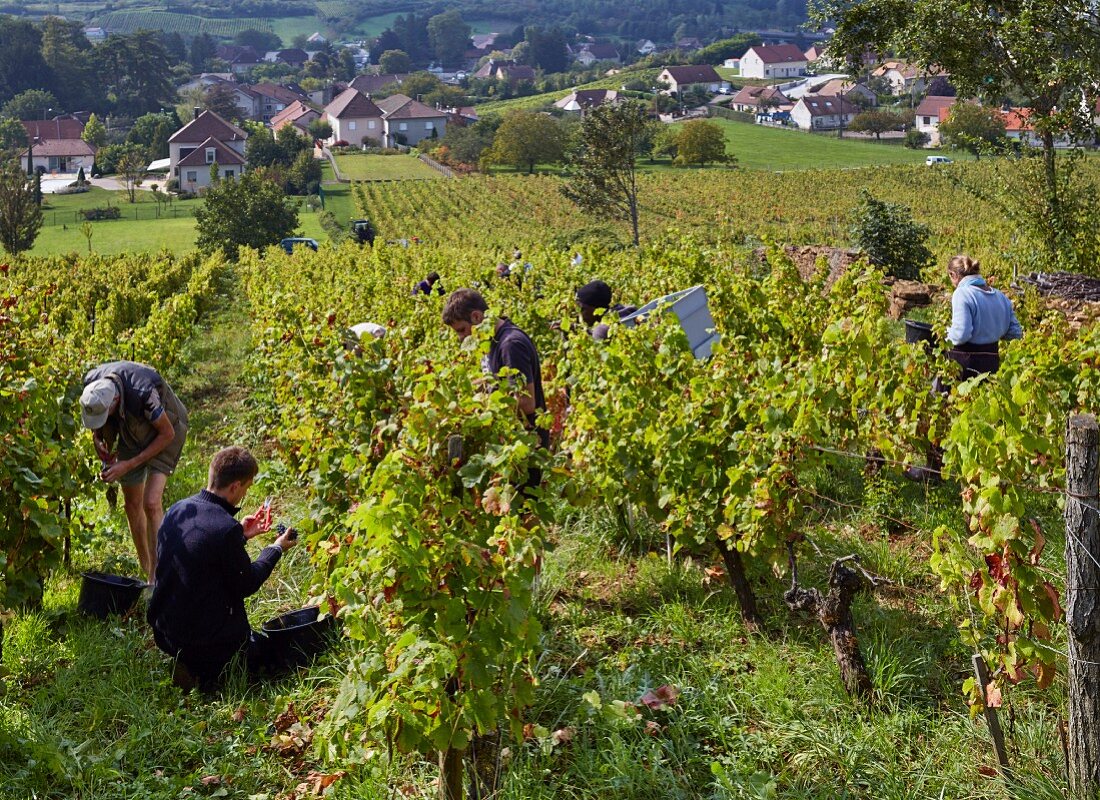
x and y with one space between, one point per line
183 24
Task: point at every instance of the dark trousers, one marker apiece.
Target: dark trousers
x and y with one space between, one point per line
206 665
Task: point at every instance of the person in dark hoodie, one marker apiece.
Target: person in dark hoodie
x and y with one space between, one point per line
594 302
204 574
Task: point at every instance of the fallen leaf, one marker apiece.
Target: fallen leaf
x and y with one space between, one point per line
988 771
212 780
652 728
660 698
563 735
286 719
239 714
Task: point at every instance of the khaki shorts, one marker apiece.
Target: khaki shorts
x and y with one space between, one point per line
163 462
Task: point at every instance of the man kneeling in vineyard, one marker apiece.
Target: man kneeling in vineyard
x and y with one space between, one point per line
138 429
197 609
510 347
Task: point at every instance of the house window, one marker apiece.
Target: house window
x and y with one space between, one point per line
185 152
192 176
429 125
351 125
370 124
211 155
403 126
927 120
229 173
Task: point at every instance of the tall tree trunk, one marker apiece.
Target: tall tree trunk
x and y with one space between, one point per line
735 569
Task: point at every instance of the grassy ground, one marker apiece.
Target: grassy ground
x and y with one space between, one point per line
370 167
139 228
89 712
761 147
547 98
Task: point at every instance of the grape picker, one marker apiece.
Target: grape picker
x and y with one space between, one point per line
138 428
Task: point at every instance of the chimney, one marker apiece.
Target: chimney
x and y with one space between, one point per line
197 111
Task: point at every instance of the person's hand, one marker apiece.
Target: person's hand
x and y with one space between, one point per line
287 539
113 472
101 450
259 521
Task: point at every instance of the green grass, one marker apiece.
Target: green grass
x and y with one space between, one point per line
547 98
371 167
139 229
764 148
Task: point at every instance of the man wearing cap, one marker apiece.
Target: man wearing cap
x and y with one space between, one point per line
138 428
594 301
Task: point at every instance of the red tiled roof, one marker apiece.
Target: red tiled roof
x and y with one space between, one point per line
703 73
778 53
277 92
62 147
828 106
934 104
399 106
1016 120
352 104
293 113
205 126
752 95
225 156
54 128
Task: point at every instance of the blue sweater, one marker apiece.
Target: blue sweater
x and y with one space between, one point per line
203 575
980 314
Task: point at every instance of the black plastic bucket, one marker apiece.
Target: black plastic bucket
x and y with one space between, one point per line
918 332
296 637
102 595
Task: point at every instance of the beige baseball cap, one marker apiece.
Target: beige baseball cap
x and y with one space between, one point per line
95 402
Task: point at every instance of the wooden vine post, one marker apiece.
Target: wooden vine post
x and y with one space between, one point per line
1083 602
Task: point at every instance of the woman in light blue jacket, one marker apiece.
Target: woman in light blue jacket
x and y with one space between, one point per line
980 317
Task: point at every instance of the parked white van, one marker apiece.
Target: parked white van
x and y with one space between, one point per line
932 160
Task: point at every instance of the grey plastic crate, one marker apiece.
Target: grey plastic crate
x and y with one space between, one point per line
691 309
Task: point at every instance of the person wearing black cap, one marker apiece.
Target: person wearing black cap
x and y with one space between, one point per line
594 301
426 286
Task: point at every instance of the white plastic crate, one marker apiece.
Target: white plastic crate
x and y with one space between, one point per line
691 309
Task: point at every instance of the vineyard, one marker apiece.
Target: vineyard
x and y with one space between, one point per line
186 25
633 628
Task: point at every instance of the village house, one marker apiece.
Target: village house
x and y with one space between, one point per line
903 77
241 58
292 57
55 146
505 70
273 98
773 61
589 54
645 46
858 93
204 141
297 114
823 113
372 84
689 44
814 54
932 110
580 101
1019 128
409 121
683 79
355 117
754 99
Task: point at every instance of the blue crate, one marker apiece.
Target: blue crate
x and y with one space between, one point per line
691 309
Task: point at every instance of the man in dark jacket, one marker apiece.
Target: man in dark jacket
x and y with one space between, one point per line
510 347
594 302
204 573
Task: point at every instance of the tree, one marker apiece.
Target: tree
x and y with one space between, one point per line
31 104
393 62
260 41
21 64
131 168
253 211
1046 54
877 121
700 142
203 48
387 41
134 71
222 100
449 36
527 138
20 215
890 237
546 49
320 129
13 137
603 177
66 50
95 132
152 131
418 84
976 129
175 47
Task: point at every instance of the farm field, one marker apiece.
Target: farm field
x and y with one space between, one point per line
627 669
184 24
371 167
